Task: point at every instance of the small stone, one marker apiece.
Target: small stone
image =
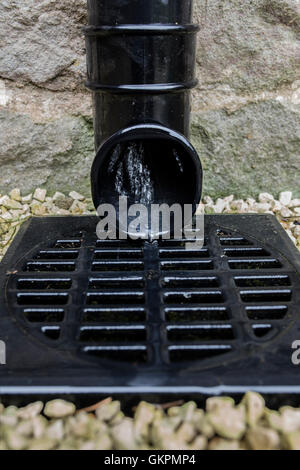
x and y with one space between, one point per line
296 231
285 421
208 201
11 204
15 194
200 443
58 195
40 194
260 438
186 432
219 206
27 198
39 424
3 200
262 207
286 212
276 206
43 443
255 405
294 203
291 440
7 216
55 430
143 417
64 202
57 211
228 422
8 420
78 207
223 444
15 441
216 403
123 435
76 196
38 209
285 198
59 409
25 428
265 198
30 411
108 411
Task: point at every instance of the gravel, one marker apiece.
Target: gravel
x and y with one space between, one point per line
15 208
223 425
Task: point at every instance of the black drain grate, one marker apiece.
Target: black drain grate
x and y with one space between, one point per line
78 307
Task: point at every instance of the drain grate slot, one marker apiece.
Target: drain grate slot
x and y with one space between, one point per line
264 295
214 296
65 244
116 297
51 332
54 266
114 314
44 283
197 352
133 354
119 243
125 281
261 330
188 314
199 333
44 315
268 263
190 265
102 334
118 253
42 298
117 266
263 281
57 254
268 312
190 281
183 253
243 252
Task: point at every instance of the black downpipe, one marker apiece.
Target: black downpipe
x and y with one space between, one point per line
141 67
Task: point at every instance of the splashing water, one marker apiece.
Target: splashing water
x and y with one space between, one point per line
133 177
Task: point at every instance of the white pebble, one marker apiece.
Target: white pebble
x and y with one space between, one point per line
285 212
76 196
40 194
15 194
59 409
27 198
262 207
58 195
296 231
285 197
294 203
265 197
219 206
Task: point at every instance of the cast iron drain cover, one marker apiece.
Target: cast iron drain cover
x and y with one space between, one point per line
84 315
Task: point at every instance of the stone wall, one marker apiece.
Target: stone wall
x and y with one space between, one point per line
246 109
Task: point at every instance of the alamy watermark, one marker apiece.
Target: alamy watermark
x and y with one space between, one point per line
2 353
153 221
296 353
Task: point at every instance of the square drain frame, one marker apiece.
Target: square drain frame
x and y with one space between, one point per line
84 316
